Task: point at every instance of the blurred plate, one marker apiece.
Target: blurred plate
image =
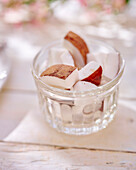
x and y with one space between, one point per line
4 64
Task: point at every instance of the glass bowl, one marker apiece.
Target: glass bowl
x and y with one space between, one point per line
73 112
5 63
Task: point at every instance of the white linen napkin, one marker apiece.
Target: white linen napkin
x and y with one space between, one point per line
119 135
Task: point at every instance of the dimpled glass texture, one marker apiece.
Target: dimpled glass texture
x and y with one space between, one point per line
77 113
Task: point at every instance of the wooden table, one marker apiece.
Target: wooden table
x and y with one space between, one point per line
18 97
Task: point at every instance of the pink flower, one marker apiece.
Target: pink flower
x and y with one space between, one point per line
4 1
83 2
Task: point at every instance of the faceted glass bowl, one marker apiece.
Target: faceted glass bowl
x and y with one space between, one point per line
72 112
5 63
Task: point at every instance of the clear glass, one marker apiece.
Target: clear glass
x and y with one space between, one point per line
72 112
4 63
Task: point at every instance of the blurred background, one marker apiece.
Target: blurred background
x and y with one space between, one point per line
27 25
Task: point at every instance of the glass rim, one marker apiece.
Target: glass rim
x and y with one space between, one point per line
93 92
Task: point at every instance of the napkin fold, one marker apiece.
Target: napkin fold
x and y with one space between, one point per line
119 135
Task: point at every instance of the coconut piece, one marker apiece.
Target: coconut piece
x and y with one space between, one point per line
92 72
66 113
77 46
60 75
97 57
60 56
54 56
108 61
83 86
66 58
111 65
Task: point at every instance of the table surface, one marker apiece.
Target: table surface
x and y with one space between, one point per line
18 97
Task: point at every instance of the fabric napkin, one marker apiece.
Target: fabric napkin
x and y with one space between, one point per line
119 135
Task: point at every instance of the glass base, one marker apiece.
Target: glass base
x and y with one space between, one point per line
85 130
